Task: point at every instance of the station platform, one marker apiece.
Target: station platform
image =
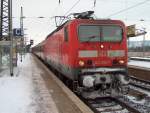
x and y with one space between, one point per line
35 89
139 64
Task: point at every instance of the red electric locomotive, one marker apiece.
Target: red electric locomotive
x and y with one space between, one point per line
92 53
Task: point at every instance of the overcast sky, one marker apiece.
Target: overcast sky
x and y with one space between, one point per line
39 28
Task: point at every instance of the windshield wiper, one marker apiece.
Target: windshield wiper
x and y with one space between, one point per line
90 38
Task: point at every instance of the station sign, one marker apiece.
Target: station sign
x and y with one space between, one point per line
131 31
17 32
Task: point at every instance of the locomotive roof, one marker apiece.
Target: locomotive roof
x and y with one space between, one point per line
60 27
57 29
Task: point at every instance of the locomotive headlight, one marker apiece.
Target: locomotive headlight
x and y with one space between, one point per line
121 61
102 46
81 63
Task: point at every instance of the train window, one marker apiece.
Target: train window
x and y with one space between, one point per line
66 34
97 33
89 33
111 33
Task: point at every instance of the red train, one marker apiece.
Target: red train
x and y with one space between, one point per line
91 53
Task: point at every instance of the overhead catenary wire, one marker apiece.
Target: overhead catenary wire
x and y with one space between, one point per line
72 7
128 8
76 3
33 17
66 14
46 17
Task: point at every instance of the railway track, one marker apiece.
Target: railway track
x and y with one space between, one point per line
144 84
119 104
105 105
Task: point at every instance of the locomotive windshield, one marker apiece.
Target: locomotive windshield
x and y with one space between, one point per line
97 33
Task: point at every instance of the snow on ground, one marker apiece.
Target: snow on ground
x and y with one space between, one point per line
25 92
139 63
14 94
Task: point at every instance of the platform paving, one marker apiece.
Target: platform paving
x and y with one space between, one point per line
35 89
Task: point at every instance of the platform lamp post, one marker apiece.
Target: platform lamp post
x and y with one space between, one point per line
0 57
144 30
143 44
22 33
10 36
25 42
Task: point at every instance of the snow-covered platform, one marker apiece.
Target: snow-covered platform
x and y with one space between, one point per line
139 64
35 89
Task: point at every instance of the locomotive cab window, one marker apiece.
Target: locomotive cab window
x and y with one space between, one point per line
65 34
89 33
111 33
97 33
